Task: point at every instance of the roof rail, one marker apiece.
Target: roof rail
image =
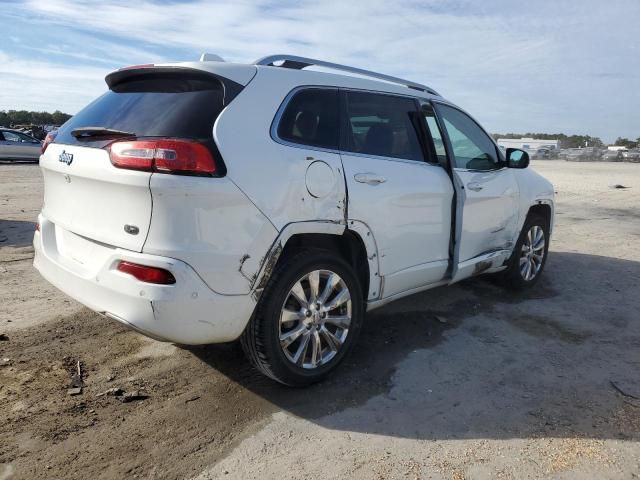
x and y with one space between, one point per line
298 63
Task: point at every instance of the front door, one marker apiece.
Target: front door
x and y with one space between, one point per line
403 199
487 195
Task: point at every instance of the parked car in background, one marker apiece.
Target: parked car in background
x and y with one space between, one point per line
545 154
633 156
612 156
16 145
190 232
583 154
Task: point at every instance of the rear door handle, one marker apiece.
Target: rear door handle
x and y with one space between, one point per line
369 178
476 187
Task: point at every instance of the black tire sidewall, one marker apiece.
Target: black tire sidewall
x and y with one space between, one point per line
286 276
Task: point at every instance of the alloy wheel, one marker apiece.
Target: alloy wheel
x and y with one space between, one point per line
315 319
532 253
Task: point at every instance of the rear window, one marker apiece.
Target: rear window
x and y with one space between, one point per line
182 105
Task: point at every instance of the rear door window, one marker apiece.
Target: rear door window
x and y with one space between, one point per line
311 118
170 104
382 125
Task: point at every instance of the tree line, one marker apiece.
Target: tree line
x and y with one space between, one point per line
571 141
625 142
566 141
9 118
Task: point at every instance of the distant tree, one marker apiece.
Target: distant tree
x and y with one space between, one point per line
59 118
23 117
625 142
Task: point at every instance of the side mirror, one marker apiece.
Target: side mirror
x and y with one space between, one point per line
517 158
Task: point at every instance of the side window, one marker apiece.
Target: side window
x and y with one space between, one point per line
472 148
382 125
435 134
11 137
311 118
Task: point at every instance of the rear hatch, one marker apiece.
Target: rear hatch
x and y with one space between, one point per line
97 169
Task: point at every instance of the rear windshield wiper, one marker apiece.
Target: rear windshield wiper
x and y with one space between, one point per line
85 132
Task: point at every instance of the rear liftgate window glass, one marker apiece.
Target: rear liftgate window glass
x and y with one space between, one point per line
311 118
174 105
382 125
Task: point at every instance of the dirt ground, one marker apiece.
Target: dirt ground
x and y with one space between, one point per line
539 385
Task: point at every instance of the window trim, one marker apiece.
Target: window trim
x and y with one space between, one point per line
449 146
273 130
429 137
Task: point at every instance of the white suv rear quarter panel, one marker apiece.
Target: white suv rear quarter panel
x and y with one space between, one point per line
272 175
209 224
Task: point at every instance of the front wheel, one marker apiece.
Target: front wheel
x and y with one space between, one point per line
307 320
529 255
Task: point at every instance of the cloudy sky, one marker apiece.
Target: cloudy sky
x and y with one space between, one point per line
568 66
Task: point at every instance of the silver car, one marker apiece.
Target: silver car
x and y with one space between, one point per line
16 145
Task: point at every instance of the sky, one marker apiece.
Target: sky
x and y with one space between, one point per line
569 66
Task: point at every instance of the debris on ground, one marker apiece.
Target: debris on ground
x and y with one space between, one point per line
113 391
5 362
74 391
133 396
76 378
4 337
618 186
192 399
441 319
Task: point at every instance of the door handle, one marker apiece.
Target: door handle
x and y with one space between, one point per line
476 187
369 178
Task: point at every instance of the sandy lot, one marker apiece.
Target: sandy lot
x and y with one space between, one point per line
512 386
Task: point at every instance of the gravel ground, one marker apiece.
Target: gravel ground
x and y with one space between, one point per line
539 385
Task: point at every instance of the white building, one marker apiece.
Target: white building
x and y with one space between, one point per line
528 143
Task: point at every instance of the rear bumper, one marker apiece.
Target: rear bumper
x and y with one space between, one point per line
187 312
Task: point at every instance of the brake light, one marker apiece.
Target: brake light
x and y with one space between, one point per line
147 274
165 156
48 139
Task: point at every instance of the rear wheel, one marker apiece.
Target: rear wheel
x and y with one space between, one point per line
529 255
307 320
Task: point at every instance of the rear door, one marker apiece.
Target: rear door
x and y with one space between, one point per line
487 193
84 193
404 199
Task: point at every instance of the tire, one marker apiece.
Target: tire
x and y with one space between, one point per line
266 339
515 277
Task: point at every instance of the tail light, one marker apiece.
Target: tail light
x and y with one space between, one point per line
167 156
36 227
48 139
147 274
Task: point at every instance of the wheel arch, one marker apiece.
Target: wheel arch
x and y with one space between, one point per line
355 244
543 208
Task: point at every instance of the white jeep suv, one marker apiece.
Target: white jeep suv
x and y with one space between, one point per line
203 202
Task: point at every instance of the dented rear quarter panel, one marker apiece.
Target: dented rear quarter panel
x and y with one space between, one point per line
211 225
